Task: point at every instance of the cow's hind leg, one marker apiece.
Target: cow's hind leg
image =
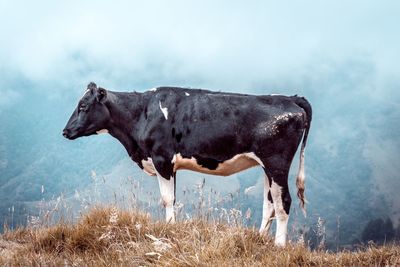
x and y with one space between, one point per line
268 208
281 202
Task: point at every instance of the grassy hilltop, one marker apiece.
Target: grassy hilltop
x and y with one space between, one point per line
111 237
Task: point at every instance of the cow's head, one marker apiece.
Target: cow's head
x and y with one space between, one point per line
90 116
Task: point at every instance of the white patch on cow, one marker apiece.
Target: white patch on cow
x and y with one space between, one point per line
268 209
300 180
164 111
102 131
253 156
187 94
173 159
167 190
282 217
300 175
153 89
148 167
234 165
276 95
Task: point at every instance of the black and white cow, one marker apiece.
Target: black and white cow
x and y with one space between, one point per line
167 129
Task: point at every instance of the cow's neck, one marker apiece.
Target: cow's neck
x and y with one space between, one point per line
125 110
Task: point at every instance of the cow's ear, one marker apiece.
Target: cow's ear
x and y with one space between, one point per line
92 86
101 94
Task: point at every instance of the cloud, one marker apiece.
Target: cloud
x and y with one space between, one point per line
224 44
381 150
342 56
383 157
7 98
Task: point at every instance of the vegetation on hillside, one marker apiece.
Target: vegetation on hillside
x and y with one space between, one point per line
110 237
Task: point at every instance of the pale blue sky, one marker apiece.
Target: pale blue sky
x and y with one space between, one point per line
224 44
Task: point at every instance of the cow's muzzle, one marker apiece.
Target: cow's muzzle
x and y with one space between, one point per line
67 134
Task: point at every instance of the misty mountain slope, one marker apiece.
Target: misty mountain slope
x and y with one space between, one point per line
342 182
343 57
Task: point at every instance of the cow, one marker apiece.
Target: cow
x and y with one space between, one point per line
167 129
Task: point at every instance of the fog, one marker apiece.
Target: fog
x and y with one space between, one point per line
343 57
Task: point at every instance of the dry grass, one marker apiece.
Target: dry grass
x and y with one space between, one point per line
110 237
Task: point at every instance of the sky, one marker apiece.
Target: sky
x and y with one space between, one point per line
342 55
209 41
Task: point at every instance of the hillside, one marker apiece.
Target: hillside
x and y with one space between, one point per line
110 237
349 173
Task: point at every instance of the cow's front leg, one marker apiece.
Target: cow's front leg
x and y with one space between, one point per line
166 182
167 189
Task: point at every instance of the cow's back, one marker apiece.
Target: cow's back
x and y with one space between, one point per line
214 123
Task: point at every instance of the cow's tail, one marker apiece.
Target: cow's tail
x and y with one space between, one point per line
305 105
